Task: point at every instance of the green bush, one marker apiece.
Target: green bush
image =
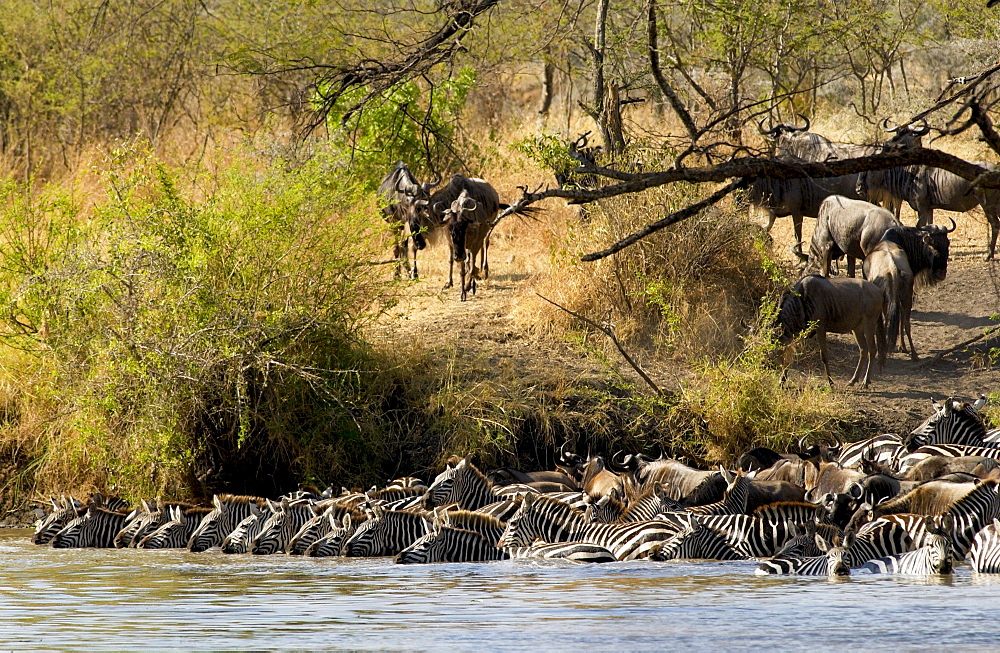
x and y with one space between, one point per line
194 333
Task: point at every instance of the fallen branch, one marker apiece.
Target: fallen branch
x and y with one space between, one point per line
609 332
941 354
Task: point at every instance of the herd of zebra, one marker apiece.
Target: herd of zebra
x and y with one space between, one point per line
917 504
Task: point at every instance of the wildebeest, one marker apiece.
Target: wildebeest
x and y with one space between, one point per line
904 255
399 190
469 222
837 306
469 235
846 226
925 189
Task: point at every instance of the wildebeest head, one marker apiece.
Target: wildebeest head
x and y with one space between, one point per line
792 319
777 131
936 237
411 198
457 218
905 136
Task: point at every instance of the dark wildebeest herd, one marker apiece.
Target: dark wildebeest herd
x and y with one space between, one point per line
849 222
914 505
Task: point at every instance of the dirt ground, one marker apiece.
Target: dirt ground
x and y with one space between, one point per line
481 330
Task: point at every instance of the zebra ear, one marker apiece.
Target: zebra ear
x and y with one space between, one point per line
603 501
751 475
821 543
937 407
528 500
947 524
588 514
378 511
216 502
55 505
462 464
726 474
346 521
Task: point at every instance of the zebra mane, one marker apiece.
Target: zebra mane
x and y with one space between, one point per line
241 499
782 506
470 520
539 503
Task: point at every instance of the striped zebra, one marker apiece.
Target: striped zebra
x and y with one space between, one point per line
604 510
985 550
886 538
695 542
325 515
386 533
553 521
392 493
446 544
885 449
578 552
734 499
96 527
238 541
470 489
145 519
332 544
175 533
752 536
490 528
63 511
909 461
651 504
229 510
933 558
408 482
833 562
955 422
281 526
502 510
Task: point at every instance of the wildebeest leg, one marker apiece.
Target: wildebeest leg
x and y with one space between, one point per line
475 270
994 221
821 338
486 260
770 222
451 265
905 309
796 224
851 266
861 336
412 247
461 273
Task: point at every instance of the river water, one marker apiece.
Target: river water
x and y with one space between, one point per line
133 599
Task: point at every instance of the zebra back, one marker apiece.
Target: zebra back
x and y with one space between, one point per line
651 503
933 558
488 527
447 544
387 533
734 499
578 552
884 449
694 542
332 544
63 511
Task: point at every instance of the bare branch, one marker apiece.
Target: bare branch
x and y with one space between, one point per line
609 332
661 81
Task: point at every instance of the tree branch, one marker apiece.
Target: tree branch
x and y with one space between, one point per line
661 81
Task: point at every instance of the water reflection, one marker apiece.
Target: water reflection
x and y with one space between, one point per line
132 599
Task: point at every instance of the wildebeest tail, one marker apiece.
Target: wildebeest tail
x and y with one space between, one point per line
527 211
880 339
889 284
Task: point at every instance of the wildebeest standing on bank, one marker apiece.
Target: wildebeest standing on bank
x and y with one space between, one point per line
469 224
837 306
846 226
925 189
904 255
400 190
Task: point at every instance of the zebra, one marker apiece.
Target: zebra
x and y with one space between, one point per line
470 489
604 510
63 511
175 533
885 449
577 552
552 521
985 550
833 562
650 505
386 533
694 541
950 450
884 538
332 544
734 499
96 527
144 520
447 544
279 528
503 510
229 510
395 493
933 558
954 422
408 482
317 526
238 541
750 535
488 527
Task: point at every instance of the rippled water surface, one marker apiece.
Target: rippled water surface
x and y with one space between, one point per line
130 599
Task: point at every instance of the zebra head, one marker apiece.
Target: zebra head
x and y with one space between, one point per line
541 517
171 535
64 511
209 532
274 532
954 422
836 556
238 541
141 522
437 494
332 544
370 537
940 552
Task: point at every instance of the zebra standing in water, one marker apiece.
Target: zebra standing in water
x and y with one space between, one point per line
985 550
97 527
229 510
175 533
281 526
832 563
470 489
386 533
447 544
238 541
332 544
578 552
63 512
552 521
694 541
933 558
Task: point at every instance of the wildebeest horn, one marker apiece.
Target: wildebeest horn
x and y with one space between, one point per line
405 187
802 442
439 207
885 126
802 129
760 128
421 203
978 406
954 226
427 185
469 204
923 130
